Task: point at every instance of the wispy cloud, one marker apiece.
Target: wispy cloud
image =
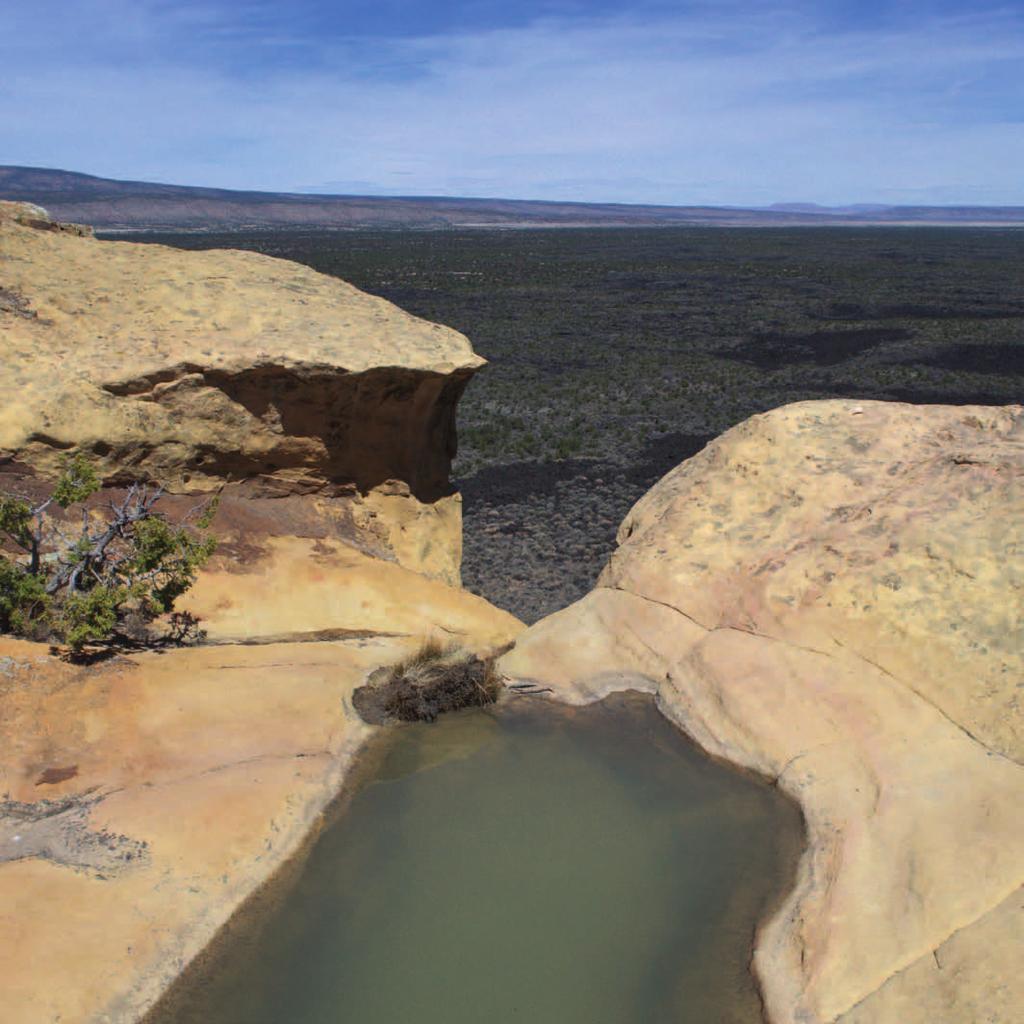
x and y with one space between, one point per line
725 103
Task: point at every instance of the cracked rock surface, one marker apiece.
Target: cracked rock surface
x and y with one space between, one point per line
831 594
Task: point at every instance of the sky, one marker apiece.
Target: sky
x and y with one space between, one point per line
730 103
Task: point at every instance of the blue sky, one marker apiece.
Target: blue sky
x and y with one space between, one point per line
734 102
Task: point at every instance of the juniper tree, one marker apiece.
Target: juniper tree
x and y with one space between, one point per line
83 575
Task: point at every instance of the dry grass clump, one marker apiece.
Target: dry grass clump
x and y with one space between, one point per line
435 679
430 652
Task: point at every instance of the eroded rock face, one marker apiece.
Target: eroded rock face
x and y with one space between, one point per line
203 369
831 594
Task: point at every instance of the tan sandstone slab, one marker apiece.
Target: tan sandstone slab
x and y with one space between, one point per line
118 311
300 587
145 797
202 371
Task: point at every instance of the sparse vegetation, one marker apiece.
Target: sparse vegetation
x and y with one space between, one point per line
615 354
435 679
86 575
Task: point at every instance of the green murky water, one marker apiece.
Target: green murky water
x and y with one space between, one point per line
530 864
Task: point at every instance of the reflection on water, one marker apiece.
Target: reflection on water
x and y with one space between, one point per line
527 864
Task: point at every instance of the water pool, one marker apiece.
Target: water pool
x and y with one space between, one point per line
525 863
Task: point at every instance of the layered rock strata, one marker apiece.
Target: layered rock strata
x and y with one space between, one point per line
200 370
830 594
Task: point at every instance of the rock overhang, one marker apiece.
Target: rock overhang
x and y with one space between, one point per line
205 370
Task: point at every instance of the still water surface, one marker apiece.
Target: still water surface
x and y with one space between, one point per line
528 864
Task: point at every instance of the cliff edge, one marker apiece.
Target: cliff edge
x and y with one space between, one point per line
146 797
830 594
206 369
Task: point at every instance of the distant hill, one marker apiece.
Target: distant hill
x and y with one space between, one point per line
138 205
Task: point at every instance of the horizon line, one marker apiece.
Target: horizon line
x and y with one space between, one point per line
312 194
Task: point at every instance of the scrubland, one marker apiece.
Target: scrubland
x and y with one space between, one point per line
615 354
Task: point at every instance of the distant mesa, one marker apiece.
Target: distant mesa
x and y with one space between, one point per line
855 208
109 204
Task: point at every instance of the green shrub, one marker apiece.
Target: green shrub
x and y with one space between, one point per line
89 616
24 603
84 586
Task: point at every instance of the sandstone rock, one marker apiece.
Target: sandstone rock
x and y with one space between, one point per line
144 799
31 216
305 590
830 594
199 369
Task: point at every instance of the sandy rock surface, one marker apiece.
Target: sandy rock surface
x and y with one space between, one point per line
308 590
831 594
204 369
144 798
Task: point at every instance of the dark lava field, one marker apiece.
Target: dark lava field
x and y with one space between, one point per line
616 353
